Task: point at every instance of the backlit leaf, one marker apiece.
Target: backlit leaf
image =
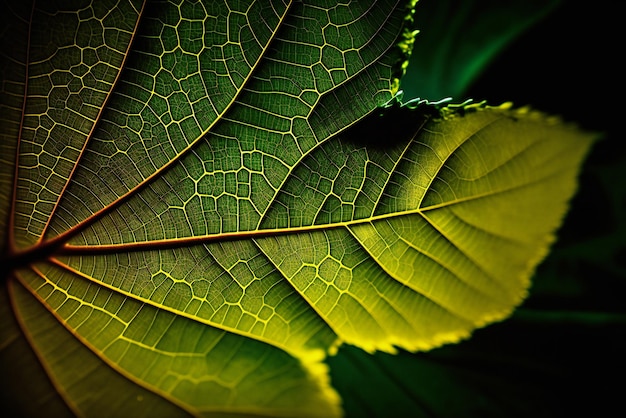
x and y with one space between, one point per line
202 203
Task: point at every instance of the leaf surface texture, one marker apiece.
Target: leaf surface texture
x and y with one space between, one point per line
202 203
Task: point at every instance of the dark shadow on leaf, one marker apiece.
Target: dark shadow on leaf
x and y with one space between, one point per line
387 127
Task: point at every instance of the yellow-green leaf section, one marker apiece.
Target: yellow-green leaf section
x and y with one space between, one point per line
89 389
412 244
146 354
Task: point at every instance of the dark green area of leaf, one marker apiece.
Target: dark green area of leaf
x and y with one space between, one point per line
562 352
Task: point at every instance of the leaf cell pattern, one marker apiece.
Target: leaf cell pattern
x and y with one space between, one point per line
201 203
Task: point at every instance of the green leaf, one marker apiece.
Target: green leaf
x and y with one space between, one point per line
21 369
202 203
458 38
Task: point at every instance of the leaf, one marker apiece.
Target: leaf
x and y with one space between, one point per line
559 352
458 38
204 203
